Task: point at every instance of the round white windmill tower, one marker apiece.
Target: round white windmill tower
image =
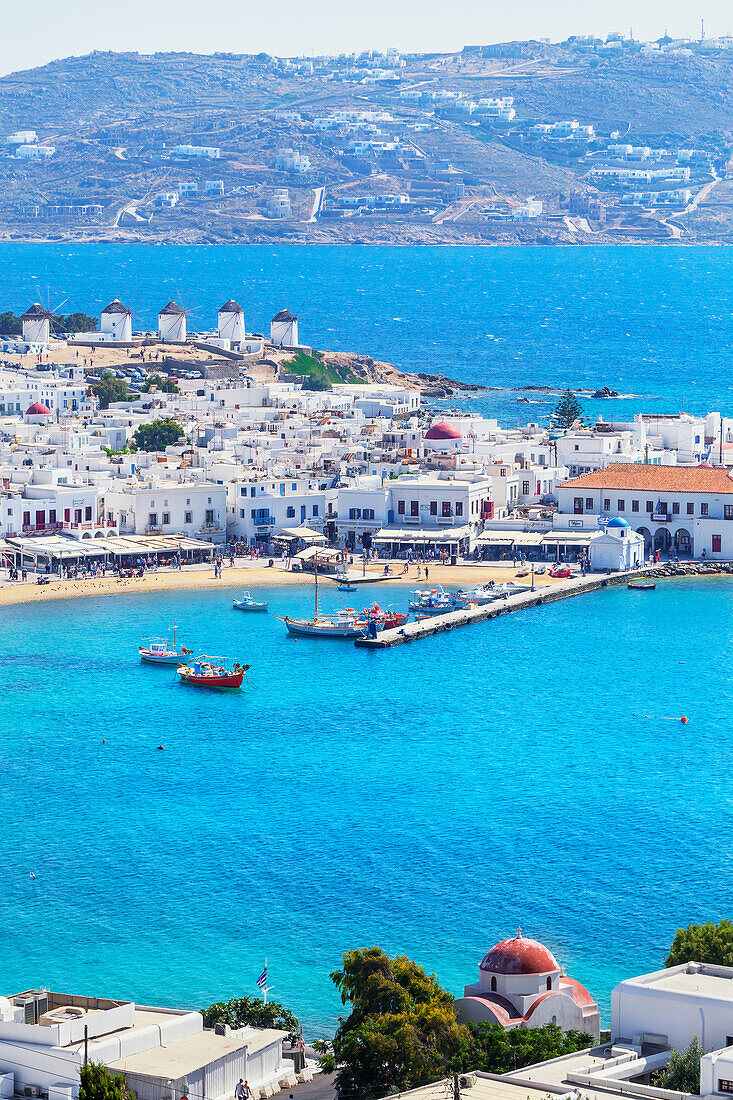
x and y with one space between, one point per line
37 324
116 320
172 324
284 329
231 322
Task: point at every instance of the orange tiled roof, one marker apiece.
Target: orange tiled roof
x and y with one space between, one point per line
655 479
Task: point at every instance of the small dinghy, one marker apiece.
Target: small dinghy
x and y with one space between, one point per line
641 586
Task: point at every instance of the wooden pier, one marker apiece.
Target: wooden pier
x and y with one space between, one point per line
437 624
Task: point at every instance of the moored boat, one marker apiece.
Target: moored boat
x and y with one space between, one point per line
641 586
342 624
247 603
160 652
204 672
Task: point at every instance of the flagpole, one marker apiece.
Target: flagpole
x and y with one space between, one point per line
264 991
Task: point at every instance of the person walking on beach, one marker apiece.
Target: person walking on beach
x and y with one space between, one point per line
426 572
239 1089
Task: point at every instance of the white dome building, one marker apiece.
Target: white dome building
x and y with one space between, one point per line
522 985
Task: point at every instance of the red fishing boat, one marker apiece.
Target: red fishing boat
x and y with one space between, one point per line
205 672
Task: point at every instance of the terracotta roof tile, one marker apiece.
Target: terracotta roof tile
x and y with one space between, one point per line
655 479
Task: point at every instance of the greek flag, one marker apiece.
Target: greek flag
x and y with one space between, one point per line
262 980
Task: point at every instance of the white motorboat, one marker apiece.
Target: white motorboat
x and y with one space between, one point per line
160 652
248 604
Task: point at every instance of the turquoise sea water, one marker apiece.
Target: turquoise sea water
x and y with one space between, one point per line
530 770
655 322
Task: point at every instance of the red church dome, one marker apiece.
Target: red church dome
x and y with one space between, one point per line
519 956
38 409
443 431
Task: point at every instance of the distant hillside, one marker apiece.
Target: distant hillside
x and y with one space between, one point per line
583 142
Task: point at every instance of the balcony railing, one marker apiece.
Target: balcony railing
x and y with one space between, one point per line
42 528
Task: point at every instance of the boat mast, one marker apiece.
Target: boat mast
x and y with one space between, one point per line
315 612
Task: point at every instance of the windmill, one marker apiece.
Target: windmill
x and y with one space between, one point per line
38 321
284 329
172 322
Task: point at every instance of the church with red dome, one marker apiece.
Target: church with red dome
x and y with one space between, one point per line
521 984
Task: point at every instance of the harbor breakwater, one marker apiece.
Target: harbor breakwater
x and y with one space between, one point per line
578 586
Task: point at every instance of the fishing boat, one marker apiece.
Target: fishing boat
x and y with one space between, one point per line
641 586
346 623
205 672
343 624
248 604
160 652
432 601
347 587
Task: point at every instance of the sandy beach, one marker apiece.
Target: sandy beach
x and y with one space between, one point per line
198 578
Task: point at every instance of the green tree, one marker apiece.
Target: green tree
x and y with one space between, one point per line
705 943
75 322
252 1012
683 1070
567 411
157 435
97 1083
109 389
165 385
494 1050
401 1032
10 325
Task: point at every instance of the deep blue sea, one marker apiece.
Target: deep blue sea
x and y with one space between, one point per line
653 322
528 771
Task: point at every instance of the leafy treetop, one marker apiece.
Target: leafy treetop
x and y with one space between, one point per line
682 1073
109 389
157 435
252 1012
165 385
706 943
97 1083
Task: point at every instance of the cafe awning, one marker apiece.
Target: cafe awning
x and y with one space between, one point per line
422 534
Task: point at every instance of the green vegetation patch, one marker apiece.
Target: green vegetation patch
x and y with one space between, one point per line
318 374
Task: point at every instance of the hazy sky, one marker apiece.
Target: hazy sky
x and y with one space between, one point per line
49 29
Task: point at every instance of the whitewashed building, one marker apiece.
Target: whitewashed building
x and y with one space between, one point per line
147 505
688 509
163 1053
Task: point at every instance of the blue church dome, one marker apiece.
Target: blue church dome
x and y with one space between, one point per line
617 522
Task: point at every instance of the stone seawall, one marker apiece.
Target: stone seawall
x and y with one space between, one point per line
690 569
